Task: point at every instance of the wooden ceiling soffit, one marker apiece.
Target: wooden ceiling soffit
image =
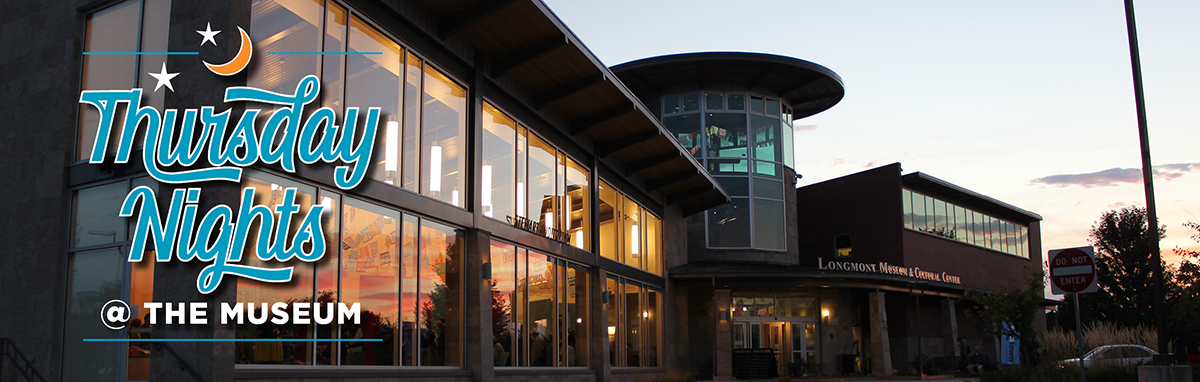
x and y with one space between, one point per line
455 23
646 164
555 94
669 180
608 148
584 124
534 52
688 194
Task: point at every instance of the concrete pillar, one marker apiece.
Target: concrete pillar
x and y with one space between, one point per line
950 331
881 347
724 338
477 307
598 325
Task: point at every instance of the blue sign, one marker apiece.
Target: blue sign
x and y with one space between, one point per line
1010 348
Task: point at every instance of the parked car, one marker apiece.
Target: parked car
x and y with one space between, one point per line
1114 355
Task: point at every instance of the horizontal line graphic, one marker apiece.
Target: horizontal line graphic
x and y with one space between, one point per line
144 53
325 53
229 340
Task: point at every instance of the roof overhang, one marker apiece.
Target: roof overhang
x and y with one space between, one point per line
808 87
528 46
950 192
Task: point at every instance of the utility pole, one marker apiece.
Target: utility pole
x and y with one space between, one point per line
1160 314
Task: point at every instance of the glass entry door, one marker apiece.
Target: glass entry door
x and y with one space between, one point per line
792 339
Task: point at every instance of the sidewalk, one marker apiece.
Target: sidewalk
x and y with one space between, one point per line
858 379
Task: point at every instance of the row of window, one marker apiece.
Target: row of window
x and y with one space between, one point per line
928 214
540 308
524 176
726 129
402 269
634 323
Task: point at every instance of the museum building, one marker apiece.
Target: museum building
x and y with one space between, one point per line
529 212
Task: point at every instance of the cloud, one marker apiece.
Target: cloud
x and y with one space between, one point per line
870 164
1117 176
802 128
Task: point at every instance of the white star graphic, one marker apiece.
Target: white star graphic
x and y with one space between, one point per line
163 78
208 34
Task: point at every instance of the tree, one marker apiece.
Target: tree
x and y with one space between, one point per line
1123 272
1183 312
1017 307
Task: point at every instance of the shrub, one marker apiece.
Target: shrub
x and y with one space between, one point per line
1058 344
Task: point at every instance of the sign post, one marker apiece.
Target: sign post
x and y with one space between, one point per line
1073 270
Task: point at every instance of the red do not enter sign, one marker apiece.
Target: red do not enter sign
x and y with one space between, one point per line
1073 270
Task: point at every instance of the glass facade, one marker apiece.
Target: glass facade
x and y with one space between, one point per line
422 145
634 323
931 215
547 186
539 308
629 233
745 150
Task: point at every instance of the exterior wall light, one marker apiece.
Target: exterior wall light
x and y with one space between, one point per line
825 313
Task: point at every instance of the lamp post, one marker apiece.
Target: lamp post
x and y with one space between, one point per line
1160 315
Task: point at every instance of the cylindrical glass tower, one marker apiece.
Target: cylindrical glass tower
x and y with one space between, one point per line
735 112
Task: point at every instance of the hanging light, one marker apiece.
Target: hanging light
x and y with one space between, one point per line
454 197
549 223
487 190
326 202
435 168
520 199
391 148
579 238
633 234
612 330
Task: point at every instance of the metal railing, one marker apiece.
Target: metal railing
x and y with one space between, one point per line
183 365
24 364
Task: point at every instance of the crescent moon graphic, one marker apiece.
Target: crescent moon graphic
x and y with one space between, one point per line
239 62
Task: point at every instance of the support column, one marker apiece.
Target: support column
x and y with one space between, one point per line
477 307
598 325
950 332
881 347
724 340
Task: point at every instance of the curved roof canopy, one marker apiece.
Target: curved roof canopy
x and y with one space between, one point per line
808 87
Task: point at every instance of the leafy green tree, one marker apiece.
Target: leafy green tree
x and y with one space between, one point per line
1183 312
1018 307
1123 272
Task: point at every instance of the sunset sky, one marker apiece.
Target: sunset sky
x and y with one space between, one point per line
1028 102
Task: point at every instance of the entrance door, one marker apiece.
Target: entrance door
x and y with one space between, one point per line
792 339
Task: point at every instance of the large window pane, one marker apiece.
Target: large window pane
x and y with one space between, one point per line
576 210
327 274
439 286
370 276
769 226
333 66
521 307
542 166
765 188
960 223
443 138
577 304
633 324
729 224
939 211
373 80
499 164
727 166
634 232
293 26
735 186
269 190
412 118
114 29
651 317
977 226
906 204
727 135
687 131
410 252
95 278
918 206
766 137
609 215
504 287
786 137
96 221
542 310
141 291
613 310
654 255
